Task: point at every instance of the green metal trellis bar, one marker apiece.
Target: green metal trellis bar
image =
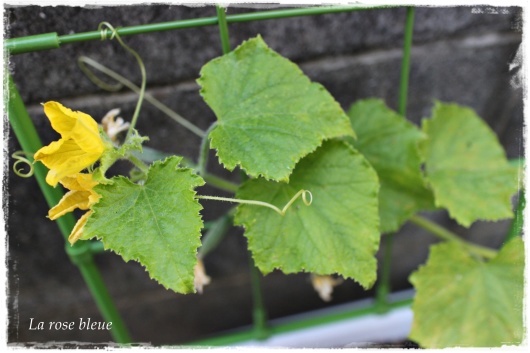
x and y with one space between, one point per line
30 142
81 253
383 283
223 29
275 329
405 64
83 257
516 227
259 314
53 40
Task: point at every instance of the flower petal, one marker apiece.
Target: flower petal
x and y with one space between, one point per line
69 202
48 150
80 182
86 134
64 158
79 147
75 125
62 119
77 232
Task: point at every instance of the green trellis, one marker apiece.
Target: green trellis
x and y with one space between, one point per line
82 253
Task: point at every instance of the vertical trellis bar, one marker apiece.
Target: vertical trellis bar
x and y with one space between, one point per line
259 315
82 257
223 29
405 64
518 219
30 142
383 284
80 254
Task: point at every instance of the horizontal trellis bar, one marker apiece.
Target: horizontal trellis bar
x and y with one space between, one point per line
236 337
52 40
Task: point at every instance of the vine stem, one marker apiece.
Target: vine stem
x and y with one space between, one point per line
204 151
211 179
220 183
215 234
307 197
138 163
140 64
83 61
450 236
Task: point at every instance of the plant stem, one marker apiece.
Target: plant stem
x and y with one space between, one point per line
83 60
215 234
302 193
450 236
204 151
138 163
220 183
211 179
142 71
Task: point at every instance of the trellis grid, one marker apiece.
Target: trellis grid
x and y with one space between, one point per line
82 253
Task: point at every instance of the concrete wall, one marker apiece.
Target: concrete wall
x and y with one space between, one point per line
460 55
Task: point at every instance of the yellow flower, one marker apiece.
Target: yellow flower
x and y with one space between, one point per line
82 196
79 147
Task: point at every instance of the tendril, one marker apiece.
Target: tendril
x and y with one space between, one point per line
103 28
83 61
307 198
19 156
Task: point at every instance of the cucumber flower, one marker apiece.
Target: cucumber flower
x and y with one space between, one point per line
113 127
201 278
82 196
323 285
79 147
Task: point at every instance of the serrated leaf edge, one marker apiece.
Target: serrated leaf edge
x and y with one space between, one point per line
199 182
260 43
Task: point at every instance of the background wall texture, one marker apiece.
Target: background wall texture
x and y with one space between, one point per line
460 55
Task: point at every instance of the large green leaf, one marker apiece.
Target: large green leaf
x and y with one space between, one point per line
390 143
464 301
269 113
157 223
466 166
337 233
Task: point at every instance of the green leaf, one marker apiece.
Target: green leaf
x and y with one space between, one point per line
269 114
463 301
466 166
390 143
157 223
337 233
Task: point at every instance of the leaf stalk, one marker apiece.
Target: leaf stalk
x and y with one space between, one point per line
445 234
